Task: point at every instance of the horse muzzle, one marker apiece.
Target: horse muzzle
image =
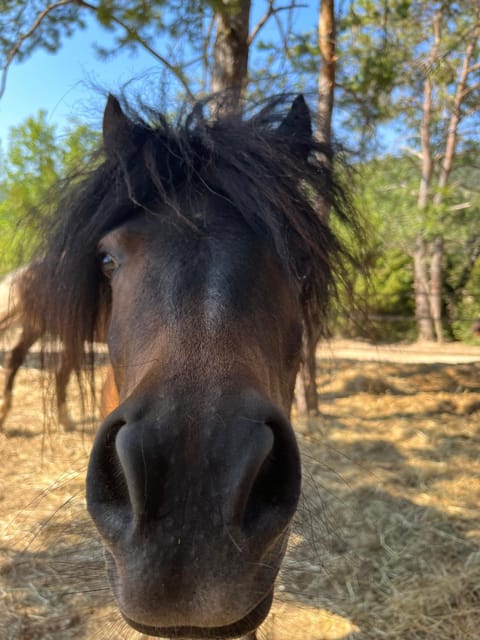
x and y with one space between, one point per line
193 498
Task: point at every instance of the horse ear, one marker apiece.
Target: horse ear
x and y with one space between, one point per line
115 126
297 125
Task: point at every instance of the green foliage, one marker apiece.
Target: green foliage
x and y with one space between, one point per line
179 34
18 16
382 50
469 308
37 158
385 51
386 194
389 304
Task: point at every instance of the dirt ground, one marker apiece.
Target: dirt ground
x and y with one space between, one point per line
387 539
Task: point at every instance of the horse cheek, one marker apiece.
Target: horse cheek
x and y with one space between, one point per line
109 399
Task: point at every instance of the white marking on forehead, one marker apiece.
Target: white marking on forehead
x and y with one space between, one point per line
215 296
214 312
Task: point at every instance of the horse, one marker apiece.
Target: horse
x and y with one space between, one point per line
202 244
12 310
10 303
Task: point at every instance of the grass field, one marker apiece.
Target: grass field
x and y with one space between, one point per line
387 539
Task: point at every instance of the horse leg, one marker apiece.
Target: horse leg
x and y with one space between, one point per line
309 374
109 397
306 394
62 376
13 362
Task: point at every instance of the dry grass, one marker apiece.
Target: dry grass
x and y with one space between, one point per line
387 540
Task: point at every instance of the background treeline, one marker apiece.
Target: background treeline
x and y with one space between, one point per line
399 80
386 190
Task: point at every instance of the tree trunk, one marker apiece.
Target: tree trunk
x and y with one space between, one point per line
422 302
421 282
306 394
306 390
427 105
230 53
436 288
326 76
427 164
455 116
446 168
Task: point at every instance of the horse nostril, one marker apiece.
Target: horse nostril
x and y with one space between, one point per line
275 491
144 468
251 464
126 476
107 490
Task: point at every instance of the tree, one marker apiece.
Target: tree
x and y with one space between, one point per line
216 36
451 87
231 50
388 191
426 84
36 159
306 389
327 71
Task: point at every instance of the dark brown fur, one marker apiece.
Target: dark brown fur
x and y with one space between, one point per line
204 249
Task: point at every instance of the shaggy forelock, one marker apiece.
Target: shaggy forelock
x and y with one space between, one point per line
283 188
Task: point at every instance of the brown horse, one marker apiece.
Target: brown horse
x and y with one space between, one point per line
204 244
12 311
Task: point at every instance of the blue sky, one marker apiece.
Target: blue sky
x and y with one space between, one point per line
63 83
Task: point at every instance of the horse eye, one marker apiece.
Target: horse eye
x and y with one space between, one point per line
108 264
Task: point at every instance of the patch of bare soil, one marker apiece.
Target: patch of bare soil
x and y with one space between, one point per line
387 540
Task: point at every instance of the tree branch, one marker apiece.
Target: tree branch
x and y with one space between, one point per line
177 72
469 112
262 21
470 90
427 109
283 36
272 11
455 116
207 41
16 47
412 152
474 67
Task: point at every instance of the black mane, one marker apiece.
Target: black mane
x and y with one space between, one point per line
280 180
